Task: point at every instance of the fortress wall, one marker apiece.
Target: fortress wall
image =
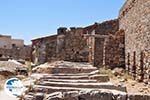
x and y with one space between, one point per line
134 19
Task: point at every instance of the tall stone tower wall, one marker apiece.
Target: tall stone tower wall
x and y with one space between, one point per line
134 19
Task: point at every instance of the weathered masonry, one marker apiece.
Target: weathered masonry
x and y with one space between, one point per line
13 48
106 44
67 45
134 19
44 49
99 44
72 45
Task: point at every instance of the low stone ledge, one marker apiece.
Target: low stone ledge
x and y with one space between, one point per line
138 97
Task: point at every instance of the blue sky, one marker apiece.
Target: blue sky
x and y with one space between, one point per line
28 19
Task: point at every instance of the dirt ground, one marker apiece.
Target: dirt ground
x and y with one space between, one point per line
2 81
133 87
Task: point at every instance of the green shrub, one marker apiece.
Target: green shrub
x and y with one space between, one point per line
103 70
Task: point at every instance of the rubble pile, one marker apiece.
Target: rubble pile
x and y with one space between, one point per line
10 67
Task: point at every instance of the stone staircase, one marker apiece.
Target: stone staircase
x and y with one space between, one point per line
71 83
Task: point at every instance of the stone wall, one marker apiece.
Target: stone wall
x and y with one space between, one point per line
108 47
103 55
99 44
44 49
5 52
75 45
134 19
23 53
68 45
14 48
90 36
17 42
5 42
115 50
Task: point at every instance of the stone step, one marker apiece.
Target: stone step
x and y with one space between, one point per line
64 77
104 85
99 78
76 74
101 94
71 70
66 74
72 77
71 80
34 96
39 75
28 97
87 95
51 89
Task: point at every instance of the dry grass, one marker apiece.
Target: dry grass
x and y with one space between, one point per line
109 72
106 71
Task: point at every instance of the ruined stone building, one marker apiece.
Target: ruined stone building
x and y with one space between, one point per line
66 45
96 44
109 43
8 43
13 48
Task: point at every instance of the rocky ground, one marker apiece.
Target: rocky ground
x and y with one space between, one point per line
81 81
63 80
133 87
8 70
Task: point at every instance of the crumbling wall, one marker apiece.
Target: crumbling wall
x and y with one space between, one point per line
44 49
16 53
115 50
69 45
25 53
108 46
5 42
104 49
90 44
17 43
90 36
5 52
73 45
